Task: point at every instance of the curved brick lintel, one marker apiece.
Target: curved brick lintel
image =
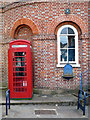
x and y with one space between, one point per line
73 18
25 21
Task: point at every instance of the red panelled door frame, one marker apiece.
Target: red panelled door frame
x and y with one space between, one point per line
20 69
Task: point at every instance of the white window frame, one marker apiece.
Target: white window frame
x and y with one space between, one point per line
73 63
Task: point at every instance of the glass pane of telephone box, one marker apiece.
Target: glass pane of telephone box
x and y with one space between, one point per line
19 71
19 53
19 58
19 64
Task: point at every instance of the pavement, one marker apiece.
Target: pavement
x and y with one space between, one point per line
0 105
28 111
64 106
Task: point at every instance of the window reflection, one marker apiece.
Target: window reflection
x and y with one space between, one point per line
63 55
64 31
19 58
63 41
17 64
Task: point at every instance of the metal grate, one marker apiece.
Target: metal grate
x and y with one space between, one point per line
45 111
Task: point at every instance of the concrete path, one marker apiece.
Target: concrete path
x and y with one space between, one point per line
28 111
0 105
63 105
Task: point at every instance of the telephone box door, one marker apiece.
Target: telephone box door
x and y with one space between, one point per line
20 72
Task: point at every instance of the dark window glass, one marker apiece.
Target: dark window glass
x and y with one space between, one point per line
19 53
20 74
19 69
71 41
70 31
71 54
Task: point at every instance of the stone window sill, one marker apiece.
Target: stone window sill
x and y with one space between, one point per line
73 65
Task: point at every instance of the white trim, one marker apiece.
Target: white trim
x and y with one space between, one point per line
73 65
76 46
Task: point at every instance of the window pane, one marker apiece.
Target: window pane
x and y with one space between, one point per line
63 55
71 54
71 41
63 41
19 58
19 69
19 53
64 30
70 31
19 64
19 74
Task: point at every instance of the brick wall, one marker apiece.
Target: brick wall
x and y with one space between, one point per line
1 37
89 39
43 14
46 16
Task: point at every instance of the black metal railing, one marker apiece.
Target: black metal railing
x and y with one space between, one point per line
81 100
83 93
84 76
7 99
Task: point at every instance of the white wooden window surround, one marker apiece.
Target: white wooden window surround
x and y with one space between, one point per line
67 46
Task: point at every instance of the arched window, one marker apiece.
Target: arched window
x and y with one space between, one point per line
67 46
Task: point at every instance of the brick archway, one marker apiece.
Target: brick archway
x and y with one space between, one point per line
24 21
68 23
65 18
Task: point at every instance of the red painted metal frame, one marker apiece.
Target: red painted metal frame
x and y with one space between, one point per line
28 92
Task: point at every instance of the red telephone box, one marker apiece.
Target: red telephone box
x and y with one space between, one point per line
20 69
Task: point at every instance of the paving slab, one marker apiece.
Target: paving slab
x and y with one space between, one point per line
0 105
64 105
28 111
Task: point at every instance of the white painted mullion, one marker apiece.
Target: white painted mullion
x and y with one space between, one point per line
67 48
58 48
76 49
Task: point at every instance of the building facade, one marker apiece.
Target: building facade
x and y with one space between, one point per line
59 33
